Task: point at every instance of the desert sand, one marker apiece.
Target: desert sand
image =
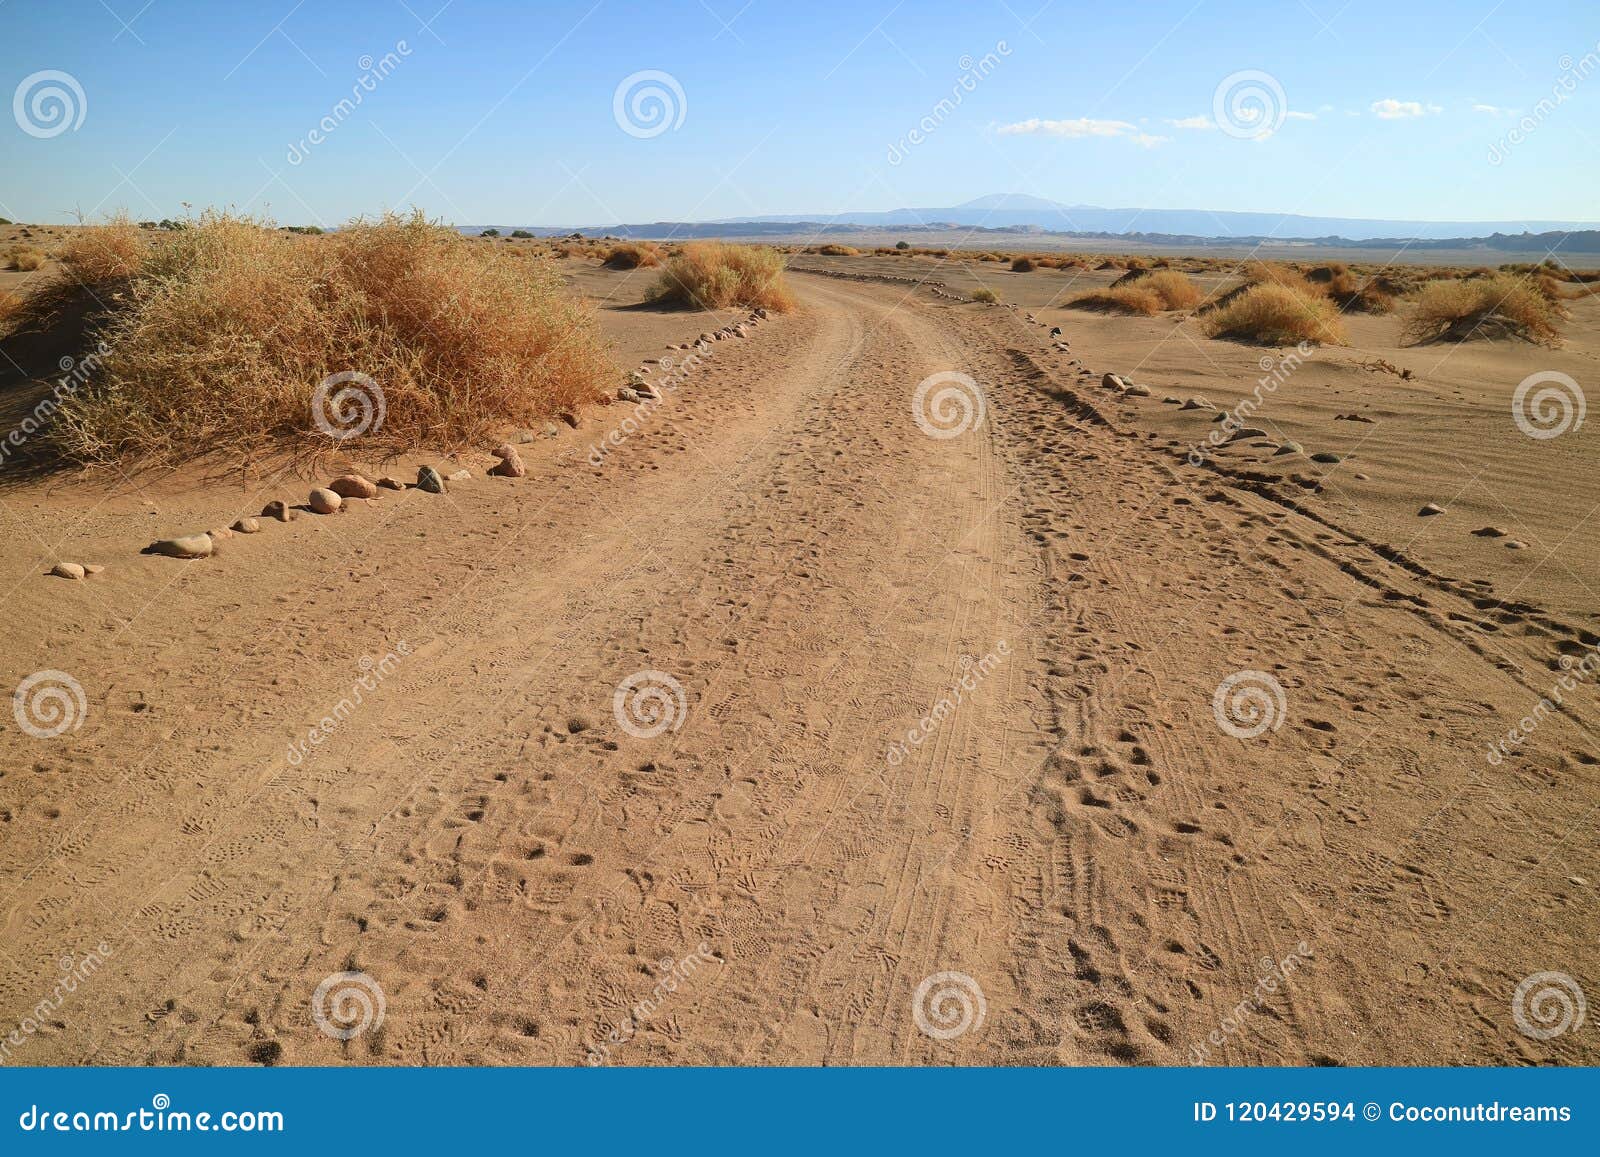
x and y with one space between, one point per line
806 838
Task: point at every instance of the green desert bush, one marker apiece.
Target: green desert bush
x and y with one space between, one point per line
716 275
227 330
1270 313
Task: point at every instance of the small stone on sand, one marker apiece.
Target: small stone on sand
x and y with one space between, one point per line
67 570
353 486
325 501
247 526
184 546
429 479
280 510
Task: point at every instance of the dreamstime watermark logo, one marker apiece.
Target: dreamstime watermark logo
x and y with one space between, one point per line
949 1004
1547 1004
674 973
972 72
48 103
373 673
1573 73
1271 975
347 1004
1249 104
49 703
73 973
974 672
1249 703
948 404
673 375
1549 412
373 72
356 407
649 703
1576 671
648 103
75 373
1276 370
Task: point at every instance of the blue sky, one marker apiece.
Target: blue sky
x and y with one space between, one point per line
498 112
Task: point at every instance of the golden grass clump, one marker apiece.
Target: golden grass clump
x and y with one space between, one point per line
1271 273
1174 289
716 275
97 254
1134 299
24 258
1275 314
986 296
633 255
834 250
1022 265
1504 305
223 339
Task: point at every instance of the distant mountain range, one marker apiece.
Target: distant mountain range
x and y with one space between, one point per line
1015 213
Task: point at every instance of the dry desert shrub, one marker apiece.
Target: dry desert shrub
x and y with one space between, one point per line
986 296
833 250
1132 299
24 258
1504 305
1269 313
633 255
1272 273
222 341
1022 265
716 275
1174 289
98 254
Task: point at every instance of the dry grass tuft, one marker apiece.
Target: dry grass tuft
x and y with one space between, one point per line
715 275
1174 289
1134 299
986 296
225 334
1022 265
833 250
99 254
24 258
1504 305
633 255
1269 313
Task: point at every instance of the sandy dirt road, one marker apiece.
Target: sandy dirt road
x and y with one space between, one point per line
925 705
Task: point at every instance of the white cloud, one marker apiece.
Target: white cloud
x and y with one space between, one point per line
1300 116
1390 109
1080 129
1199 122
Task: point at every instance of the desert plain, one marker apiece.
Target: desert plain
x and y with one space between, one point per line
810 715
